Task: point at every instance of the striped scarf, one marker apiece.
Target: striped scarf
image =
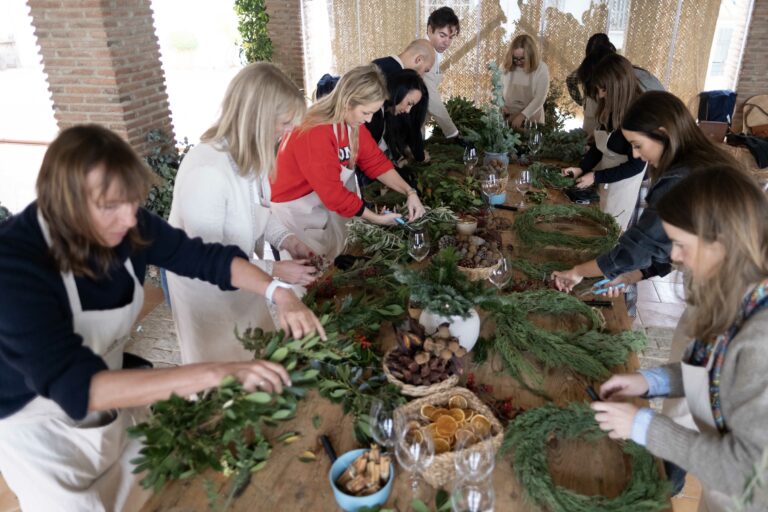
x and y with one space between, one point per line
754 302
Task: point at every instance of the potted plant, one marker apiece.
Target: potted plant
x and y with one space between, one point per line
447 296
494 136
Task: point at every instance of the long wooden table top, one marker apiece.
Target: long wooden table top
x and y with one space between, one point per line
287 484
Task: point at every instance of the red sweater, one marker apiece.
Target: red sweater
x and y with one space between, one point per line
310 161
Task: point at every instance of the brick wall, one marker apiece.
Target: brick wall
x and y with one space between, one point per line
285 31
753 78
102 59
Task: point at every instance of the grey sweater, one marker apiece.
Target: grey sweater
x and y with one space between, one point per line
725 462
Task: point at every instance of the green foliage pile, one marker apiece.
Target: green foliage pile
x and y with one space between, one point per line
464 114
442 288
531 236
164 159
530 433
548 175
252 19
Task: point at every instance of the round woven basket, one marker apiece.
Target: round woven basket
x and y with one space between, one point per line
478 274
411 390
442 470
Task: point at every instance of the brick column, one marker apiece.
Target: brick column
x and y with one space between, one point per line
102 59
753 77
287 39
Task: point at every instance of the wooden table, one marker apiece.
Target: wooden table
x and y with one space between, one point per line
287 484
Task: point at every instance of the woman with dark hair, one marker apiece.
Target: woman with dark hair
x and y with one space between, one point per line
72 268
610 160
661 132
396 127
717 219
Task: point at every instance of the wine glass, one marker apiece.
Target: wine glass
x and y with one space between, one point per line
491 185
470 158
414 450
472 497
501 273
474 459
523 185
383 423
418 244
535 139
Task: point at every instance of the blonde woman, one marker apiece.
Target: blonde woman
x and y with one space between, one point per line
314 192
222 195
526 82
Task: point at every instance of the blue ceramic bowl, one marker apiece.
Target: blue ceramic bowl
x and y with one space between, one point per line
354 503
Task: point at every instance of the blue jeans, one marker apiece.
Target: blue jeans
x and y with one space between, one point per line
164 286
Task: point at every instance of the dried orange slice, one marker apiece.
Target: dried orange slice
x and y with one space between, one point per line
457 402
441 445
447 425
458 415
481 425
469 413
415 435
439 411
427 411
465 437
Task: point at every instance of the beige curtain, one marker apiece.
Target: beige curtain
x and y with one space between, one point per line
670 38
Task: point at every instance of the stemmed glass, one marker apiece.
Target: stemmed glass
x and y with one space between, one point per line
491 185
418 244
501 273
535 139
523 185
470 158
472 497
415 451
383 428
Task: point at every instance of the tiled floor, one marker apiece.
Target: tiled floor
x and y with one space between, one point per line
659 306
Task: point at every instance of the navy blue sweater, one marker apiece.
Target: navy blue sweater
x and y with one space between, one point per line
619 145
40 354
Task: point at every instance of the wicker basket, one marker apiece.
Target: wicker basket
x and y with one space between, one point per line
411 390
442 470
478 274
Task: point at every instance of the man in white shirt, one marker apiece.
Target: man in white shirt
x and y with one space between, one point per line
442 28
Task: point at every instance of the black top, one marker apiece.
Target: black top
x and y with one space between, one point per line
645 246
619 145
388 65
408 134
40 354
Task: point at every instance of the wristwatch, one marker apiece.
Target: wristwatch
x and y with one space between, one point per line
272 287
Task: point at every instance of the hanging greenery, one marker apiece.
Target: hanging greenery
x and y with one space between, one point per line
391 242
252 20
530 235
530 433
548 175
584 350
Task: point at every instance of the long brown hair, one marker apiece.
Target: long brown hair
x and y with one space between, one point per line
684 142
723 204
616 75
358 86
528 45
63 196
254 100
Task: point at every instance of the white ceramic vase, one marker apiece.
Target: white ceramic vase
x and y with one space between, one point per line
467 330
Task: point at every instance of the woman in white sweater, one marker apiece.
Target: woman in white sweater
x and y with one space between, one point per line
222 195
526 82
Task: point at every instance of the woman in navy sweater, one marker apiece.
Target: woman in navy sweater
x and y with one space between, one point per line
72 267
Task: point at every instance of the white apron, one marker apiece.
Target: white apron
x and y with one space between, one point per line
696 384
617 199
518 94
323 231
53 462
677 408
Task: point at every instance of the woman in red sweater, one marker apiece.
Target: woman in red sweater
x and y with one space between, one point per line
314 192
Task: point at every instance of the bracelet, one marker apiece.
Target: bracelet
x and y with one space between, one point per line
410 191
270 291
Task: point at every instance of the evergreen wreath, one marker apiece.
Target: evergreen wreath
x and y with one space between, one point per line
531 236
528 436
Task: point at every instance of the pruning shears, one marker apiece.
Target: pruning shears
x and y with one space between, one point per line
400 221
599 288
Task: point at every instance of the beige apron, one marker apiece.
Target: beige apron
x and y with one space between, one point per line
677 408
696 383
53 462
323 231
616 199
518 94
